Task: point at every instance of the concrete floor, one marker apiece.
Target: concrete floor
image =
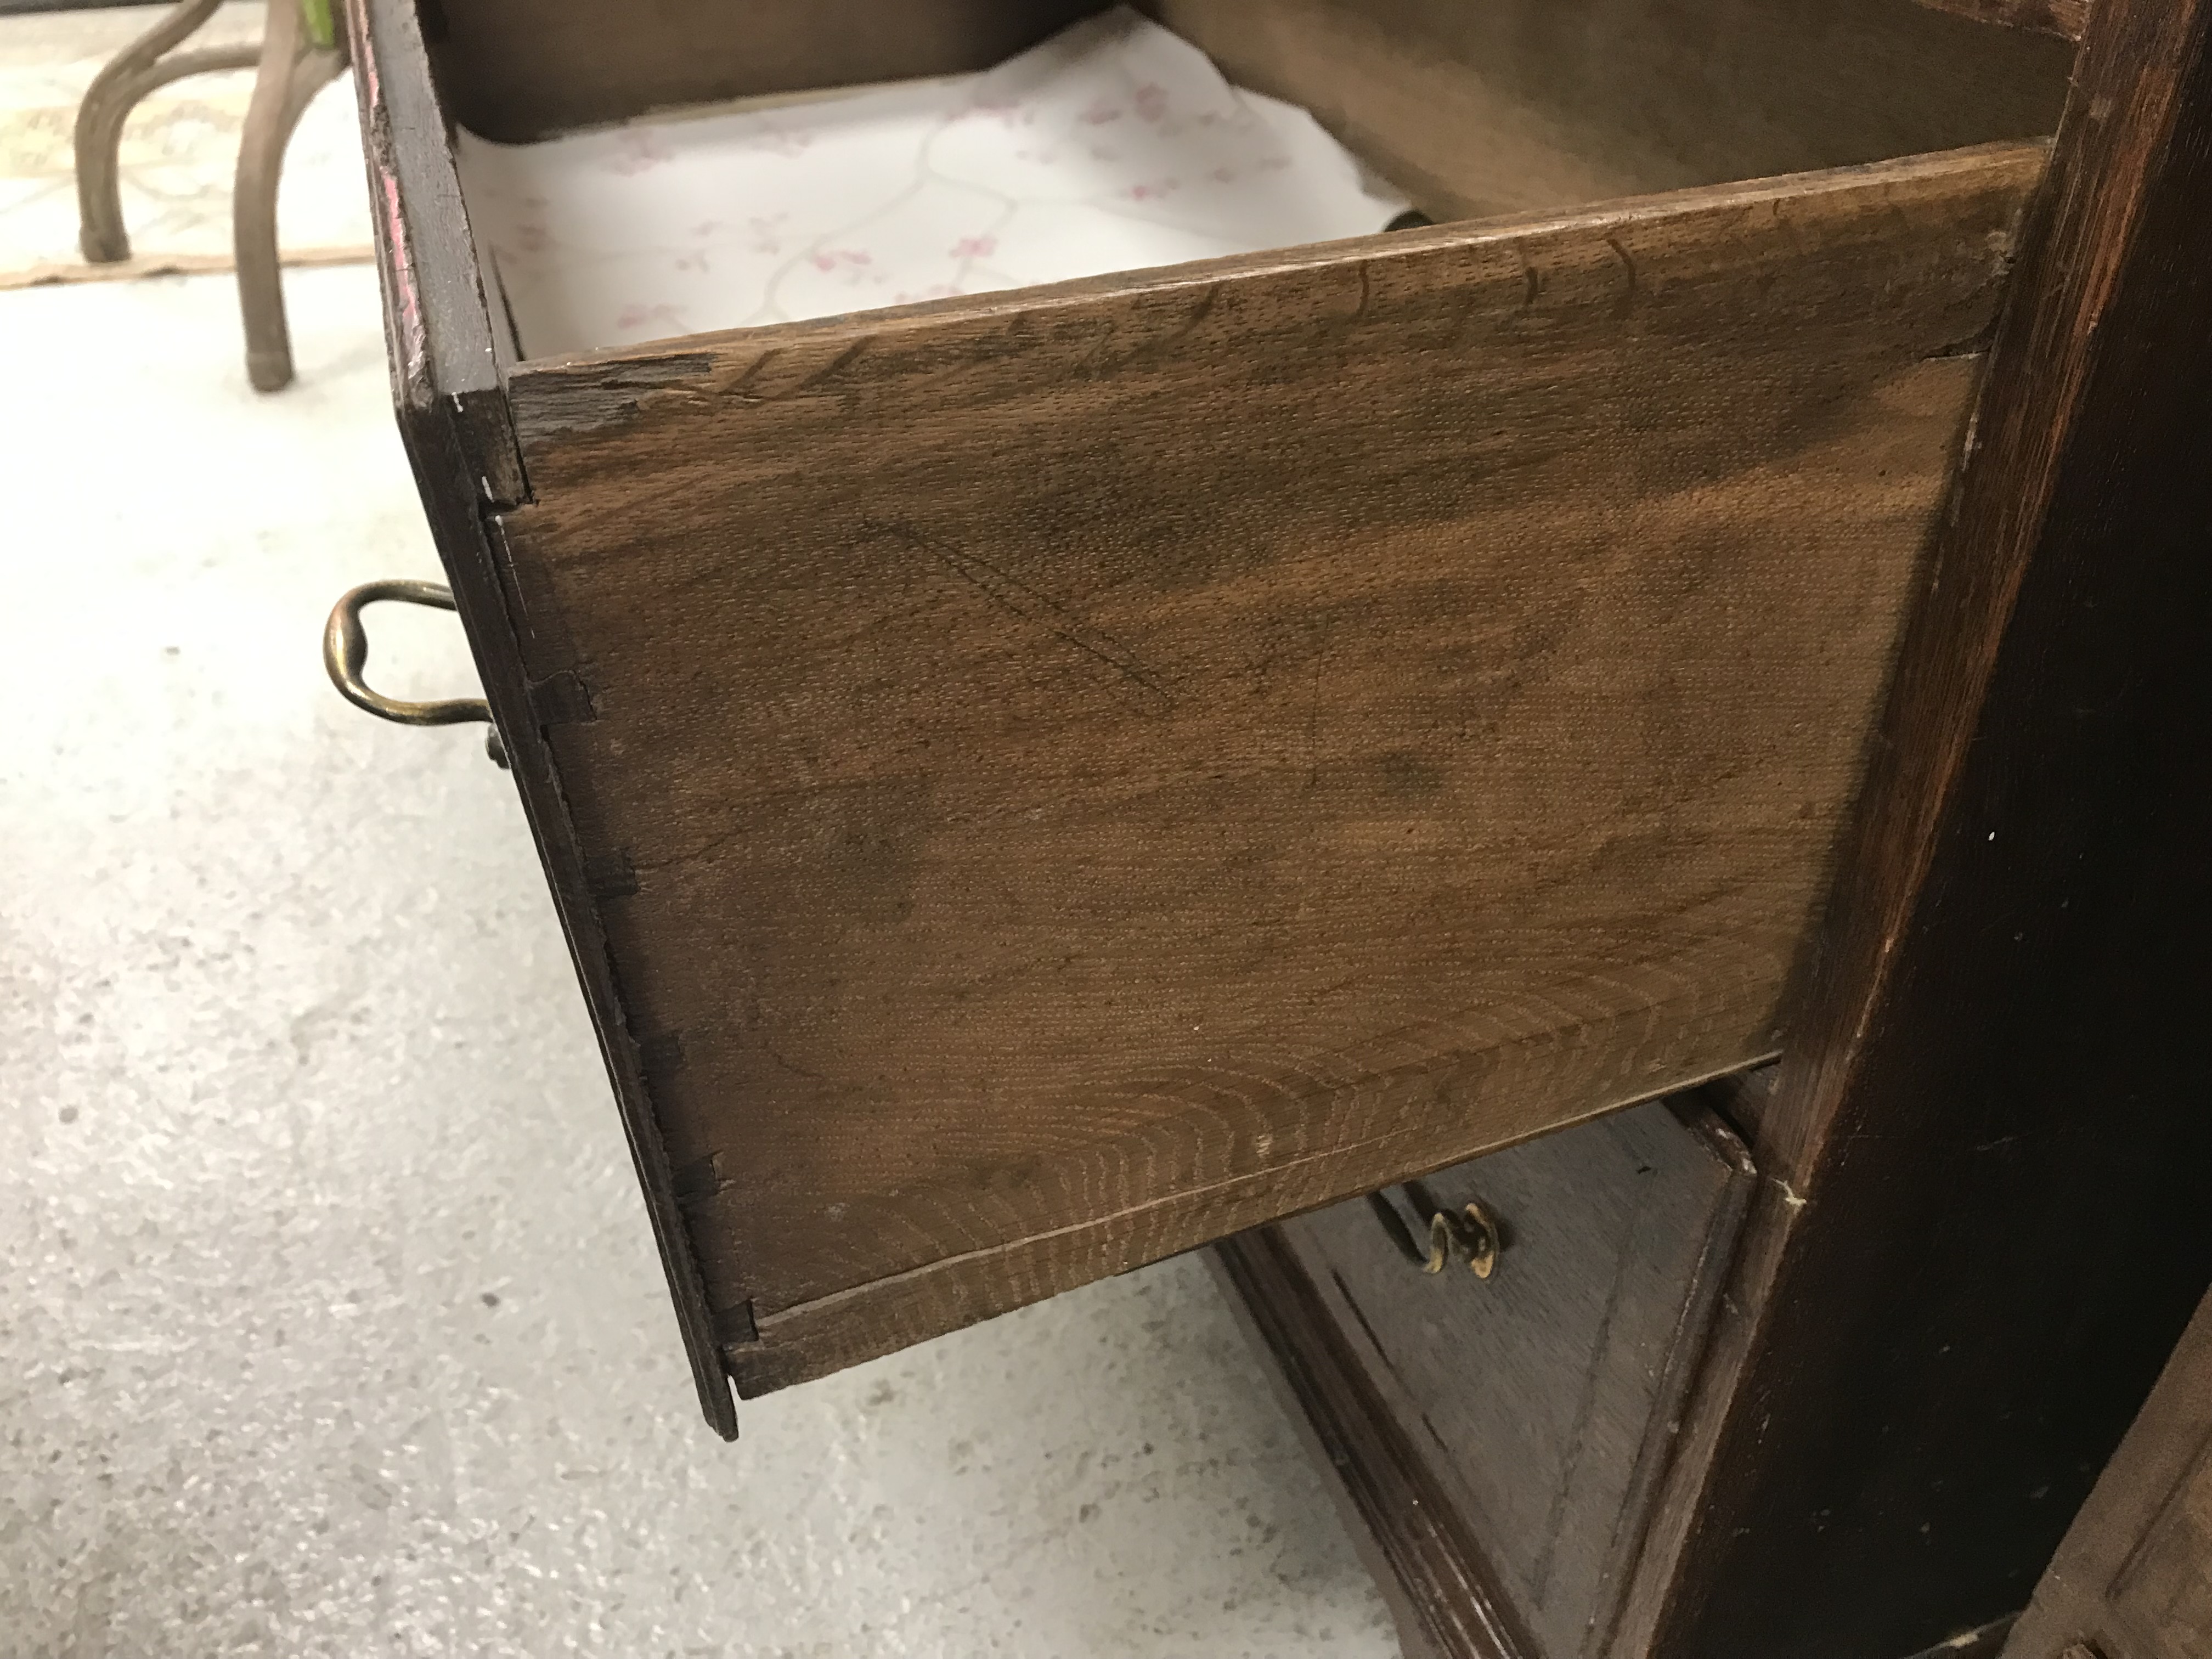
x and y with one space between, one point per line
328 1322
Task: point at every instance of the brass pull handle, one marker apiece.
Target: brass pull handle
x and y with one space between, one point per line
345 653
1470 1230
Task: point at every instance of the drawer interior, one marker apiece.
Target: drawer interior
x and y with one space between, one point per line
1114 145
751 184
1519 106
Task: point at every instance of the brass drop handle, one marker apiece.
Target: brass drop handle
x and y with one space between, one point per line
1469 1231
345 653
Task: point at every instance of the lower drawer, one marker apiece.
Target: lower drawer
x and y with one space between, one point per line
1501 1438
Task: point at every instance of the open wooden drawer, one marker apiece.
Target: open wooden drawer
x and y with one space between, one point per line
1038 781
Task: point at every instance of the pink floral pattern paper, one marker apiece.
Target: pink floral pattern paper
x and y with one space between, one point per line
1113 146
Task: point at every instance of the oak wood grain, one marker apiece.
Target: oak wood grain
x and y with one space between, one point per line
1517 105
1102 767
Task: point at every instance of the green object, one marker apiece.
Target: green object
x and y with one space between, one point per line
316 15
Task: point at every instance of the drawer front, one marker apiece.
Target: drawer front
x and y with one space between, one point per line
1538 1404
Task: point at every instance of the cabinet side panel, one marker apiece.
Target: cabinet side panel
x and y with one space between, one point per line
2004 1021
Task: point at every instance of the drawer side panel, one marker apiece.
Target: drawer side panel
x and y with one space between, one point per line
1100 768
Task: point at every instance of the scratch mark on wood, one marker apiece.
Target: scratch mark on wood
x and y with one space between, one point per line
1627 303
1199 313
591 397
742 389
835 366
1016 596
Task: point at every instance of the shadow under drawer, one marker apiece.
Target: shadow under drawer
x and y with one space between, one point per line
1502 1439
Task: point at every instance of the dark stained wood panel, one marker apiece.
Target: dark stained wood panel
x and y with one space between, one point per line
1683 93
2133 1579
2001 1032
1515 105
1403 1517
1075 773
1547 1396
518 70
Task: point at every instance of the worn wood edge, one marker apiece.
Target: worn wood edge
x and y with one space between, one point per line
453 418
1565 1072
1723 1359
2068 252
2065 18
1725 1363
1702 1113
447 330
2073 1609
1405 1525
587 394
1689 1347
1984 1641
2036 371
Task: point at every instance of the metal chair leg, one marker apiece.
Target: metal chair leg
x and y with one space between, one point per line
145 64
293 71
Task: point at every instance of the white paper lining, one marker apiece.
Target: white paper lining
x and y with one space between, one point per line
1113 146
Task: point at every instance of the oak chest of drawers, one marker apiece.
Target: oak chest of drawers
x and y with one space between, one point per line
1038 781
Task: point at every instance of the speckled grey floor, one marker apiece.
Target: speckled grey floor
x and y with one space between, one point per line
328 1322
